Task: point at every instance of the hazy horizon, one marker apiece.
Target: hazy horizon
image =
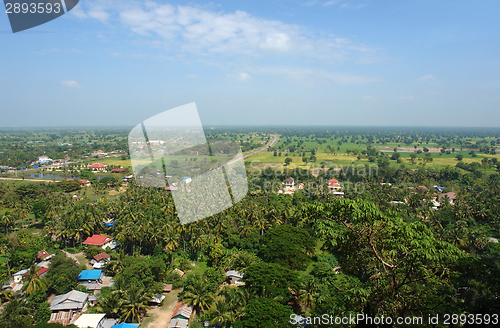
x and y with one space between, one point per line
278 63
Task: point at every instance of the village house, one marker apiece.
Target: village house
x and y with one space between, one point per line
181 315
333 185
450 195
44 159
18 276
64 307
100 260
234 277
101 241
94 320
43 256
99 153
82 182
90 279
98 167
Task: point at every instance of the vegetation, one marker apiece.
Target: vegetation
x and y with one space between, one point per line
393 246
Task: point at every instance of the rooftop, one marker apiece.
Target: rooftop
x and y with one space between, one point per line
101 256
97 166
90 275
89 320
72 300
97 240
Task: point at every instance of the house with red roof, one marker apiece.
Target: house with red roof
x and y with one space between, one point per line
118 171
42 271
43 255
98 167
333 185
101 241
83 182
101 257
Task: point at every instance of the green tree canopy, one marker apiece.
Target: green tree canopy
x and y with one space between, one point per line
393 267
62 274
288 246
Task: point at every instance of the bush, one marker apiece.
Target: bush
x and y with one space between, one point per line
92 251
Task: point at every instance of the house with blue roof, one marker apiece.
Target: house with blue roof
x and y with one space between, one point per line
92 275
91 279
440 189
126 325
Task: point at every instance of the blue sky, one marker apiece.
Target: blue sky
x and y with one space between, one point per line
346 62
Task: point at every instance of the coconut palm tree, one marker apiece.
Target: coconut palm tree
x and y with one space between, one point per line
32 282
220 314
198 295
5 296
134 304
308 293
16 314
7 220
110 304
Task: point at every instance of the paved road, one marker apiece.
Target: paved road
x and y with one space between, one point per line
256 151
269 144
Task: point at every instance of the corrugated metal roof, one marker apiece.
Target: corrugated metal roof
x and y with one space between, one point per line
233 273
60 317
183 310
178 323
90 275
69 301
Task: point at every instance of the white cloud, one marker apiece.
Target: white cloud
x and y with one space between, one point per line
242 77
407 97
206 32
191 76
425 78
70 84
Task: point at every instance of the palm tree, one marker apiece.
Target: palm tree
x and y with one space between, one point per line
198 295
134 304
5 251
5 296
115 265
220 314
16 314
308 293
32 282
110 304
170 240
7 220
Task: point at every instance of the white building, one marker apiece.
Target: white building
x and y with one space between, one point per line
90 320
